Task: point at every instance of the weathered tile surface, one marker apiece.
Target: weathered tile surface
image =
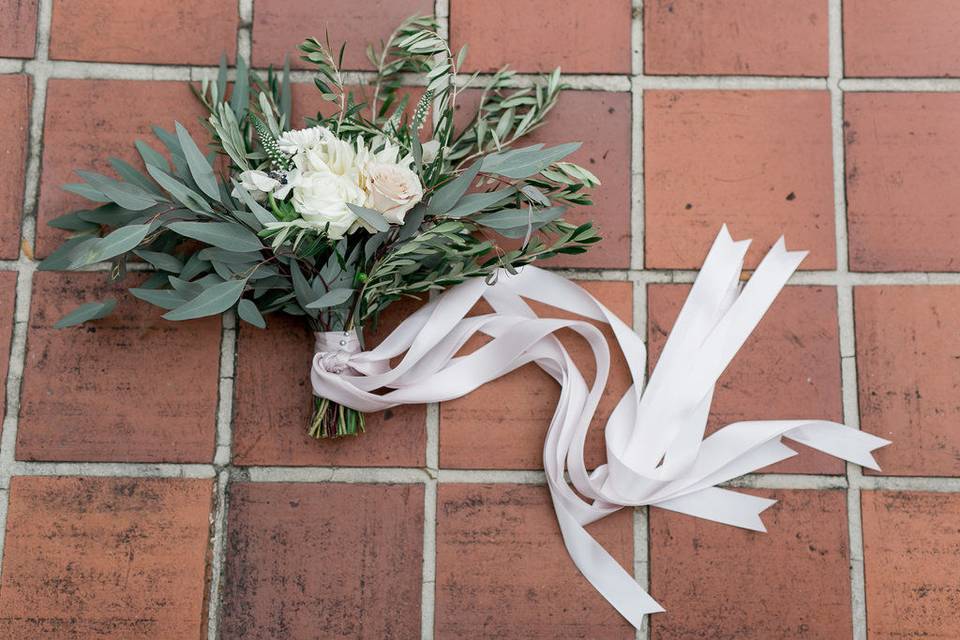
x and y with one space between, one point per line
323 561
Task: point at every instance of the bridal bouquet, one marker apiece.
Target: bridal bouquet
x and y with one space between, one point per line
377 199
372 200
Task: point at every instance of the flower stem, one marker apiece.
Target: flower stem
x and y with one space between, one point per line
332 420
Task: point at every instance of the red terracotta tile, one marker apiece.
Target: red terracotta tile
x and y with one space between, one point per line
601 121
14 119
581 37
789 367
131 387
323 561
908 368
735 37
503 571
270 428
502 424
891 38
760 161
902 153
171 32
8 294
87 121
280 25
18 23
718 581
912 559
105 558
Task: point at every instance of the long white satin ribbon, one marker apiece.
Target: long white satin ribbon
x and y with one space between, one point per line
656 452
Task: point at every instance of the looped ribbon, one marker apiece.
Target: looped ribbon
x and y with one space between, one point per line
656 450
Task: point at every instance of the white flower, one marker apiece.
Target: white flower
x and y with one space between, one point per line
321 198
258 183
430 151
393 190
297 140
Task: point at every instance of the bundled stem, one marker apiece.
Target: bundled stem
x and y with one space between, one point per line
332 420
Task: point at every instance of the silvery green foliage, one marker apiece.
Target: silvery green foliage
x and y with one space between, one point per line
489 202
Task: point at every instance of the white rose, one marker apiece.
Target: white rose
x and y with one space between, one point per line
393 190
258 183
321 198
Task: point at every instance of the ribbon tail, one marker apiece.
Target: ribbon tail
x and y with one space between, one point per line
602 571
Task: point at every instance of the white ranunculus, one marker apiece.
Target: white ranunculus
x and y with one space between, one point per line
393 190
258 183
430 151
321 198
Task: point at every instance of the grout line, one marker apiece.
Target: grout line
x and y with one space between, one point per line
428 584
26 267
422 475
218 555
226 380
823 278
845 318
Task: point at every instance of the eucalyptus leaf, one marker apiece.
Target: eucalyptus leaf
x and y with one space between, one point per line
449 194
373 218
64 255
331 299
527 161
248 312
120 241
73 222
210 301
181 192
226 235
124 194
86 312
200 169
85 191
163 298
474 202
151 158
160 260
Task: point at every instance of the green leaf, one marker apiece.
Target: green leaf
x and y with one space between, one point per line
226 235
85 191
449 194
248 312
200 169
73 222
514 223
65 254
129 173
211 301
263 216
122 240
126 195
473 202
331 299
241 89
162 261
525 162
85 312
152 158
110 215
187 196
374 218
301 287
163 298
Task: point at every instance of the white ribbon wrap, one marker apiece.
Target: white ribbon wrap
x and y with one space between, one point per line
656 452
